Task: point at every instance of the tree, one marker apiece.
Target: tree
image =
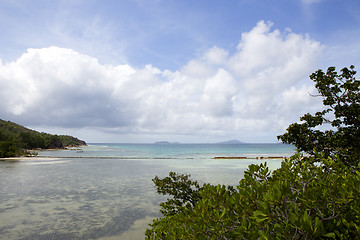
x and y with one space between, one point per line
309 197
185 192
341 98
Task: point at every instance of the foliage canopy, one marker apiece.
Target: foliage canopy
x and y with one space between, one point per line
16 139
341 99
309 197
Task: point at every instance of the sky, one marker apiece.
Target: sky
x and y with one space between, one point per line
141 71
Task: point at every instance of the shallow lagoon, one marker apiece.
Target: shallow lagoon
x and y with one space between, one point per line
104 191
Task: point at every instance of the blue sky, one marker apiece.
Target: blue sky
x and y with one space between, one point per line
150 70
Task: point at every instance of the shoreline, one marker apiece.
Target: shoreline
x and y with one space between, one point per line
25 157
58 149
14 159
18 159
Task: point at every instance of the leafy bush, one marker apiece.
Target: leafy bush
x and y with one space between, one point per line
300 200
312 197
10 149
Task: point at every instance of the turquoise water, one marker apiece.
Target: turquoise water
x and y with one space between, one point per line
104 191
177 151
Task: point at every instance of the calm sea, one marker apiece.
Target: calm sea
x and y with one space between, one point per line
104 191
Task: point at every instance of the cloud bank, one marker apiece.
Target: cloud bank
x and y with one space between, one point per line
259 88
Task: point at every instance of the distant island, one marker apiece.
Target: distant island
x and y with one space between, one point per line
231 142
16 140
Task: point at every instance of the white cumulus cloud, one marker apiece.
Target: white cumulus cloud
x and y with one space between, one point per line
256 89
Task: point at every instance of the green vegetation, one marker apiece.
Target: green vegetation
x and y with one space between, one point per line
315 196
341 98
15 140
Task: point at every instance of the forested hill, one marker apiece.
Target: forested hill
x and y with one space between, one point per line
16 139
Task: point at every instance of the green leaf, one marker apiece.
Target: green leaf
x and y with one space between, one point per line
329 235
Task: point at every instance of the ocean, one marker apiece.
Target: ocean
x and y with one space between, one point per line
104 190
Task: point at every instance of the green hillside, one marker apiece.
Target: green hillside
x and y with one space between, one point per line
16 139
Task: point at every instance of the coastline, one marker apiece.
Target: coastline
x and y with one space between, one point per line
27 157
17 159
14 159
